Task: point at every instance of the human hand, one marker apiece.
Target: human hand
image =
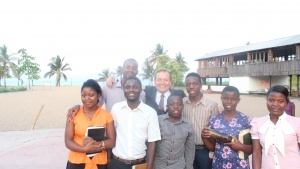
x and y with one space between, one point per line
72 112
109 81
93 146
235 144
205 132
87 140
220 109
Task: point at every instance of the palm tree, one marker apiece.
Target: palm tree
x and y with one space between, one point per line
182 63
158 50
104 75
149 71
7 63
57 67
119 71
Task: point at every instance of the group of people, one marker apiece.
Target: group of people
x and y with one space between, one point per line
165 128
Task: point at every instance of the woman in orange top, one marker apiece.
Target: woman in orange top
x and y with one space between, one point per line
90 114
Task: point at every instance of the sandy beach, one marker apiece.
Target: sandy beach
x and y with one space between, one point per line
32 124
19 110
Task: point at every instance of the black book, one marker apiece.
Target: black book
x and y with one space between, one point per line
98 134
244 138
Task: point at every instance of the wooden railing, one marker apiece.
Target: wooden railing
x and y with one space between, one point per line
253 69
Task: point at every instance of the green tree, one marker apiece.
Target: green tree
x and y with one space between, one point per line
27 66
104 74
182 63
57 67
8 65
1 73
157 51
165 62
19 74
149 71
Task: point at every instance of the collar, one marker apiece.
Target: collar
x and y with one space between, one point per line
140 107
168 93
203 100
167 117
275 133
118 83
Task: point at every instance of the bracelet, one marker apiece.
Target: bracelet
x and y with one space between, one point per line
103 144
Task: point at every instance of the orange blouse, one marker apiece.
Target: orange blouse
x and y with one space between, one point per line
81 122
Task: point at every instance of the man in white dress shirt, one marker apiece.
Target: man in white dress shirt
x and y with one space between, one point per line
135 124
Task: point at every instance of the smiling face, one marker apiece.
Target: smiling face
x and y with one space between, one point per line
132 90
276 103
193 86
89 97
230 100
163 81
130 68
175 106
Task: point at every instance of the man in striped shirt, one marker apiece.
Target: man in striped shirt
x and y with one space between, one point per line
198 109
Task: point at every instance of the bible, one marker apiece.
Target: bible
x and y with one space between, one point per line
220 136
98 134
140 166
245 138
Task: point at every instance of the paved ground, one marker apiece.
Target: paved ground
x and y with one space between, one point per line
44 149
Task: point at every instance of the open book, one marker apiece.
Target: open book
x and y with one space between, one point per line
245 138
140 166
97 133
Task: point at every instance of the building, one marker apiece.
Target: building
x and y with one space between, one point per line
253 68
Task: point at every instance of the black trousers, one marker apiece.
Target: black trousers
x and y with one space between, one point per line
116 164
202 160
81 166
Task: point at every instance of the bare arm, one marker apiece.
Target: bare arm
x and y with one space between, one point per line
72 112
110 142
151 154
109 81
256 155
209 142
72 145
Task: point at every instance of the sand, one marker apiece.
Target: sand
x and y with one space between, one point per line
19 110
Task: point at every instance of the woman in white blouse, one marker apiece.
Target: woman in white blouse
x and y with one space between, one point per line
276 137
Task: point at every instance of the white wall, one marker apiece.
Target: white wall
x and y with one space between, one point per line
242 83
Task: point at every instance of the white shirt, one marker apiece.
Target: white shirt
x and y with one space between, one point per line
134 128
158 96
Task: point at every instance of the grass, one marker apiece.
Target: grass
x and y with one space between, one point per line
12 89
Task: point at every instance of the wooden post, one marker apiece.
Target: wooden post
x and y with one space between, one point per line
270 56
291 79
297 52
298 85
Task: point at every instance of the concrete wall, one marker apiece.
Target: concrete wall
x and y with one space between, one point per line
254 84
242 83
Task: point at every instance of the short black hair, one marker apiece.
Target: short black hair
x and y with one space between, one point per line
130 59
279 89
231 89
193 74
133 78
92 84
174 95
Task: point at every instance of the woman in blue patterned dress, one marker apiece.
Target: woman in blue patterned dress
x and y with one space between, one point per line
229 122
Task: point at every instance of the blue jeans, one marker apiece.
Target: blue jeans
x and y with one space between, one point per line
202 160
